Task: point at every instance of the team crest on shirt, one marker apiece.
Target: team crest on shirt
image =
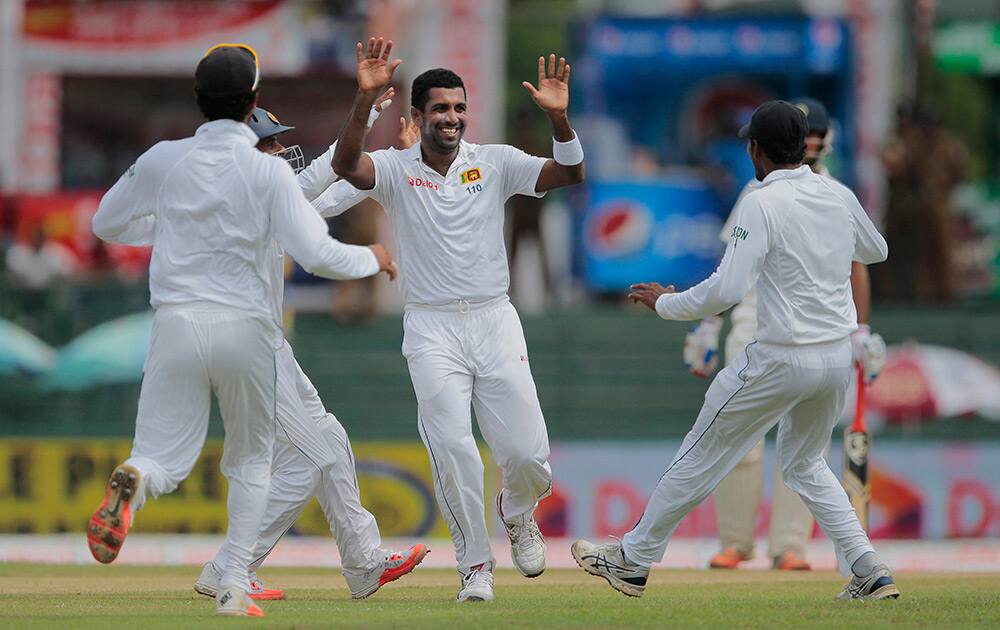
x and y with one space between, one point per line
471 175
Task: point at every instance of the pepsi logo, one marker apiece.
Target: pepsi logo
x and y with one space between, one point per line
618 228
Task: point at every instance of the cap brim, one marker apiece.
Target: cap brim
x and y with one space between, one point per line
277 131
744 131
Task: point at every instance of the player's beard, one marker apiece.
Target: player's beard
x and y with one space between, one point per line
437 142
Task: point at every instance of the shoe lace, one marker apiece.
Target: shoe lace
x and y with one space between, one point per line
523 535
478 575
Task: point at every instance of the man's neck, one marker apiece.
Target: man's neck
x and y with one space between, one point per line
440 162
780 167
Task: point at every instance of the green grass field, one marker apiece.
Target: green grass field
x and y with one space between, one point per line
41 596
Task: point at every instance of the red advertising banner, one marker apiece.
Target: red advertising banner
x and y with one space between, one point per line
141 24
65 217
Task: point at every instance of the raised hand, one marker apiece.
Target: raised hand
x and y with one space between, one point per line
552 93
409 133
385 100
374 68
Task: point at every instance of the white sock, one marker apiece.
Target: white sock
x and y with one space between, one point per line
865 564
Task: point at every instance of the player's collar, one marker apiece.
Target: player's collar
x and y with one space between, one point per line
464 150
226 126
785 173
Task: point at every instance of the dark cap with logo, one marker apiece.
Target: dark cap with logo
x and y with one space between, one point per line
227 71
777 126
816 114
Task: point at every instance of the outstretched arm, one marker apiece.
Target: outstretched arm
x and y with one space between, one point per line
552 95
374 73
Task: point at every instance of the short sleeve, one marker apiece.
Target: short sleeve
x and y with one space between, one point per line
519 171
385 178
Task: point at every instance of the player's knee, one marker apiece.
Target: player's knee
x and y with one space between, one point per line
526 459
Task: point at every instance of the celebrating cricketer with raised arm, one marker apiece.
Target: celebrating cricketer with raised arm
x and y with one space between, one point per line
462 338
795 238
217 212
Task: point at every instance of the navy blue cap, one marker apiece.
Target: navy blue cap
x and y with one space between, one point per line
777 125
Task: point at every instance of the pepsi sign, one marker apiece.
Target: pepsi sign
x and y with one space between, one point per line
663 231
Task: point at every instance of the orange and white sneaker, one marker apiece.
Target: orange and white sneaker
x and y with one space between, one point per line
208 584
234 602
728 558
109 525
790 561
260 592
394 565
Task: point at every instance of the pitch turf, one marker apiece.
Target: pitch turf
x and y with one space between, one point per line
41 596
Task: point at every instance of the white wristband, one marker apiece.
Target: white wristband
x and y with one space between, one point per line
374 113
567 153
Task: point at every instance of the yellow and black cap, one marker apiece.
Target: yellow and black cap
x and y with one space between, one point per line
816 114
227 70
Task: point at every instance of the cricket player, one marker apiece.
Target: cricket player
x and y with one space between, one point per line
312 453
739 494
219 209
462 338
795 238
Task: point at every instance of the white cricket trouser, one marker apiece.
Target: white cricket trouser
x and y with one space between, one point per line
193 353
474 353
738 495
312 457
800 388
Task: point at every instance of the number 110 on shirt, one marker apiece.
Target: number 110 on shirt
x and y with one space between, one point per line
474 188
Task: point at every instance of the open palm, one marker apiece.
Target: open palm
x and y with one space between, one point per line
552 93
374 68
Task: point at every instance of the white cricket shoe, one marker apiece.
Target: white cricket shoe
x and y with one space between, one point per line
235 602
208 584
394 565
477 585
527 545
608 561
876 585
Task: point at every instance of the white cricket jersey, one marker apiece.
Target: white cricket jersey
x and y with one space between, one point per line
795 237
218 208
449 229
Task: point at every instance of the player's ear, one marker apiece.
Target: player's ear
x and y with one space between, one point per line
416 116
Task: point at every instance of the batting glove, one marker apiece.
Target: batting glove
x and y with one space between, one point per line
869 351
701 347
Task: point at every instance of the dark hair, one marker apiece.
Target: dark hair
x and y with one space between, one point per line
436 78
232 106
787 154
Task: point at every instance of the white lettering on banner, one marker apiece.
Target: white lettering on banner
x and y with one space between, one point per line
460 35
39 170
681 235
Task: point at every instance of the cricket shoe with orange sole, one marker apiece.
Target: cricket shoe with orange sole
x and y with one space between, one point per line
728 558
235 602
790 561
208 584
392 566
109 525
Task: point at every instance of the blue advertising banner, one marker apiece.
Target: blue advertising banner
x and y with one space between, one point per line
659 231
780 44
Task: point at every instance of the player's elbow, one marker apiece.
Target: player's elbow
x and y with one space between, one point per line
102 229
575 174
